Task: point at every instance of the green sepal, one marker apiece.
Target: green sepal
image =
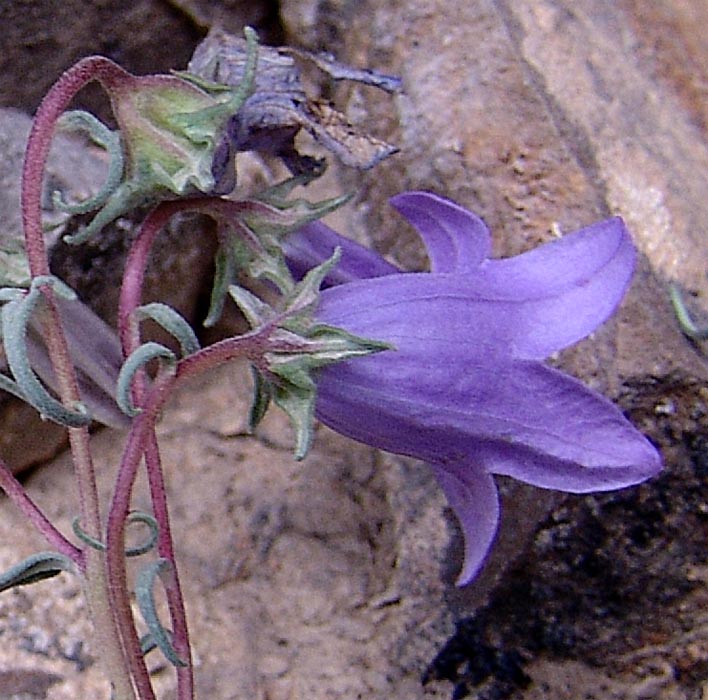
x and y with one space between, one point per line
257 312
262 394
297 401
101 135
294 388
296 347
36 567
172 133
306 296
295 213
324 345
202 126
224 274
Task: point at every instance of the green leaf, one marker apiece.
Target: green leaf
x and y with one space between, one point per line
224 273
36 567
15 319
173 323
136 361
145 598
261 399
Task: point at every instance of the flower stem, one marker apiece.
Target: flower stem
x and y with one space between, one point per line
140 433
55 102
97 590
17 494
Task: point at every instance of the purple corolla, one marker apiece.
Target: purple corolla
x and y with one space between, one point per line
465 388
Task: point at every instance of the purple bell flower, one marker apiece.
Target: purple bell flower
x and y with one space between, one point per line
466 389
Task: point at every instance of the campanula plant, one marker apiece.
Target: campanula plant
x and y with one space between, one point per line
446 366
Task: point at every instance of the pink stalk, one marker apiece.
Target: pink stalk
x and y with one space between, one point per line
131 295
53 105
173 589
17 494
141 430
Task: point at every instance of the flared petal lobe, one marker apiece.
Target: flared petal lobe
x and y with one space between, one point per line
456 239
572 285
580 278
528 318
473 497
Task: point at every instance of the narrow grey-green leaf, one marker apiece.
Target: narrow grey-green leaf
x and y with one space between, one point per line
135 361
136 516
100 134
173 323
144 595
11 294
6 384
688 327
35 568
15 318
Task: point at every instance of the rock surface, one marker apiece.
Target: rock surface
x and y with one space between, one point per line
332 578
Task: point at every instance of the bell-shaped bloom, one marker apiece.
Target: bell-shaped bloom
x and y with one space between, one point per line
466 389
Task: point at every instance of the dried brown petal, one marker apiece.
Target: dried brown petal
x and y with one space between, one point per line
279 107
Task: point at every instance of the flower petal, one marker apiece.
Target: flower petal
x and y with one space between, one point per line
517 418
570 285
456 239
562 435
473 496
531 305
315 242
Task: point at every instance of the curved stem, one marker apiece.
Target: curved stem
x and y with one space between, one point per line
56 101
136 263
53 105
142 442
130 298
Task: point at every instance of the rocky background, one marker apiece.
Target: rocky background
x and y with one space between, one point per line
333 578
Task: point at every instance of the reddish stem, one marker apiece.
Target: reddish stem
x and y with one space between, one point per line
173 589
140 433
17 494
156 220
54 104
142 441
